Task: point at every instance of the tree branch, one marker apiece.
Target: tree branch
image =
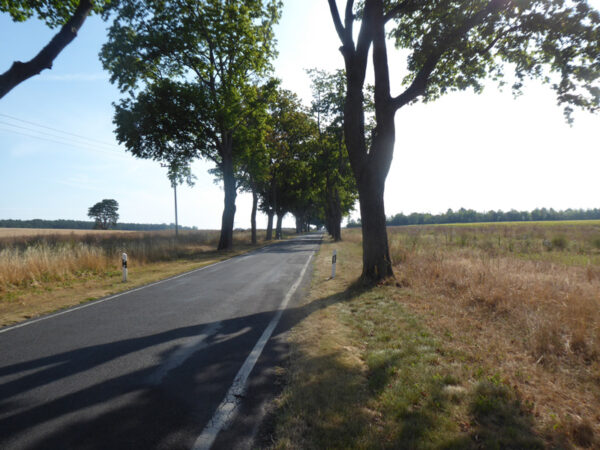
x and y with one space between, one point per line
349 20
364 41
337 21
20 71
419 85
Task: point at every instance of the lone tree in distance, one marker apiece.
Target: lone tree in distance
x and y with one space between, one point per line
452 46
105 214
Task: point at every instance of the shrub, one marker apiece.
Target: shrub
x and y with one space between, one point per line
559 242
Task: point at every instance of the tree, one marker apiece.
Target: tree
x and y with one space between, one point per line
452 46
69 15
190 63
288 187
339 189
104 213
252 159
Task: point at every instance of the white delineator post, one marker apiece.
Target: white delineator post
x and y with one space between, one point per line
124 261
333 261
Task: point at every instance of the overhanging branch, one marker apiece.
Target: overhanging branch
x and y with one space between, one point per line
20 71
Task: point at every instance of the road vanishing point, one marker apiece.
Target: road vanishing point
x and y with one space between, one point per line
184 363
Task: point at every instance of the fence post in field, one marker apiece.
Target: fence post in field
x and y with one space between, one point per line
124 262
333 261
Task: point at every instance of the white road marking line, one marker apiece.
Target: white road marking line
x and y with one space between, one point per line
183 353
226 410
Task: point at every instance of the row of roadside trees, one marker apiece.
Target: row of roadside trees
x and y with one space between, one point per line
198 84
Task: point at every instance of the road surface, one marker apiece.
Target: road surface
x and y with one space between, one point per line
164 366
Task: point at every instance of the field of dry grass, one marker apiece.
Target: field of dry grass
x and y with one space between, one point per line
488 337
526 300
45 270
24 232
31 259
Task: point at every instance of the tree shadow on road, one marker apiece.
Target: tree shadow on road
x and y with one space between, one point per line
128 411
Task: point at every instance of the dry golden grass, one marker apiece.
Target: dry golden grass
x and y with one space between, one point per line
42 272
24 304
488 337
25 232
34 259
528 308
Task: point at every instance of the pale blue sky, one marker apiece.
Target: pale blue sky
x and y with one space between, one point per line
483 152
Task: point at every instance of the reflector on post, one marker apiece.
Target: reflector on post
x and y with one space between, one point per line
124 262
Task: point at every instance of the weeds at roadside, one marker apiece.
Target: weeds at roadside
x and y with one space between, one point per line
32 260
484 340
41 274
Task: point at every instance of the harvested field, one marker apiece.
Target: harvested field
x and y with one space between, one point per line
26 232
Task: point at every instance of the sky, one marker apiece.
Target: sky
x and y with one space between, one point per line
487 151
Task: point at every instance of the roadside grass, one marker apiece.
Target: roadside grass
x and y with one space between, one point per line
42 273
462 350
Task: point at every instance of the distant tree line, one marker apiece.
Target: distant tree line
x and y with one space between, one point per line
85 225
471 216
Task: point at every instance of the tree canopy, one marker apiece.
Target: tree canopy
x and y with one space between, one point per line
188 67
105 214
338 186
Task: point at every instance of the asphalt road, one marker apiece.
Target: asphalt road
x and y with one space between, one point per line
151 368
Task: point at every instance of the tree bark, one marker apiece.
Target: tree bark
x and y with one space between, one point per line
377 263
20 71
229 185
253 215
269 236
370 174
278 233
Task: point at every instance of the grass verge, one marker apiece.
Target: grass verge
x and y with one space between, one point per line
409 365
44 297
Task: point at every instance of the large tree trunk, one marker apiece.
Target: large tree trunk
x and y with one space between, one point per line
278 233
370 170
376 255
253 215
370 166
370 179
20 71
269 236
229 185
